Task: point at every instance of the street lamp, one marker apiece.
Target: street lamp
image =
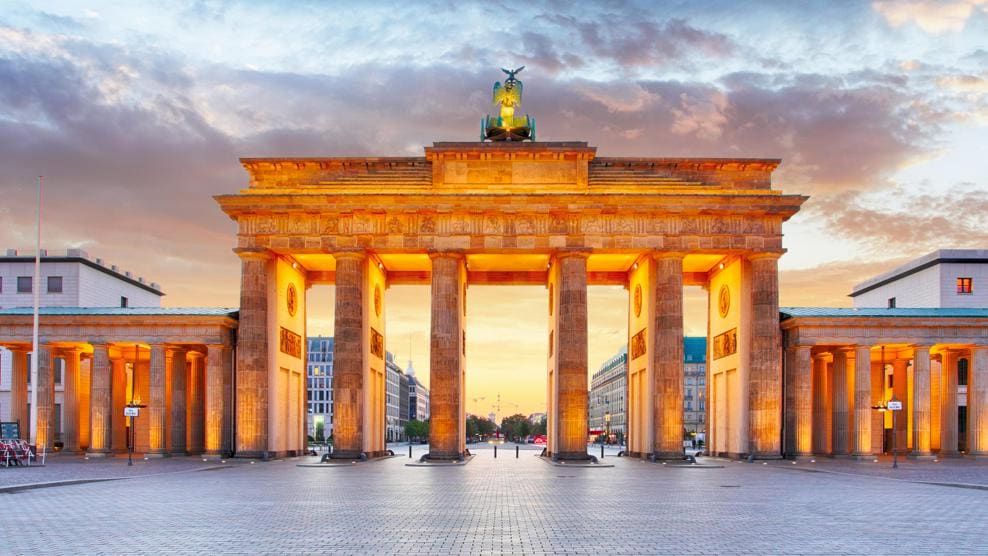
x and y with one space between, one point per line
132 409
607 426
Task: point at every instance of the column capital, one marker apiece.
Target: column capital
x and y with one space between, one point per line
350 254
581 253
927 347
253 253
659 255
195 354
446 255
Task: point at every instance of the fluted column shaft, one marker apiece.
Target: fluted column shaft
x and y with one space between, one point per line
45 436
100 402
70 404
862 401
120 397
667 406
977 404
157 408
348 356
801 380
765 369
196 417
948 404
921 402
446 434
178 408
821 430
18 392
252 355
571 357
214 398
900 389
841 415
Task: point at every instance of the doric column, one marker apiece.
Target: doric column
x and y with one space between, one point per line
977 403
571 357
862 402
100 402
252 355
900 390
799 418
196 416
821 398
178 408
840 402
764 371
45 436
948 404
348 356
70 404
157 408
18 391
446 433
921 403
119 398
667 410
214 399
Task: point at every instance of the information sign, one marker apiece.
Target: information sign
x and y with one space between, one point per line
131 411
10 430
894 405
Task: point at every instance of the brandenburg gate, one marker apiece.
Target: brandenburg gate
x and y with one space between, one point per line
510 212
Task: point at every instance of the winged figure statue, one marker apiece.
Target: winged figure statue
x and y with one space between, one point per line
508 127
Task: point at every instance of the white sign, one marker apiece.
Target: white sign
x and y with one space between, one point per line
894 405
131 411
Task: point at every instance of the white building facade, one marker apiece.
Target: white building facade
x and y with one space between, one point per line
418 396
948 278
69 278
319 368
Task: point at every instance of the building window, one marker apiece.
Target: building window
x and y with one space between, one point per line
123 301
962 372
964 285
891 303
54 284
23 284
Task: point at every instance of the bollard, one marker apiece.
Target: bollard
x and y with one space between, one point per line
409 450
516 452
495 451
601 451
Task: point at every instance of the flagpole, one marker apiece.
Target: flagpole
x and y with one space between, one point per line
36 289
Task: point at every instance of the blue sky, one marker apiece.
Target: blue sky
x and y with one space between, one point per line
136 113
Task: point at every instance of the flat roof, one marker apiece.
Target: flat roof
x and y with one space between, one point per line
82 257
232 312
898 312
976 256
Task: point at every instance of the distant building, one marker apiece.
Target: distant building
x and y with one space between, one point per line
609 387
319 369
69 278
418 396
948 278
395 425
403 401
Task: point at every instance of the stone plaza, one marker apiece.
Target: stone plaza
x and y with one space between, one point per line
503 505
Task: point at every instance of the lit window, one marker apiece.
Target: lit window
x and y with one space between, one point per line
964 285
23 284
54 284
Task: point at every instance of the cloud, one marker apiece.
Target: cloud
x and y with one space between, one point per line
934 17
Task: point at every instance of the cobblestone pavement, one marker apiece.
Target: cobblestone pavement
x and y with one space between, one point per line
63 467
957 471
503 505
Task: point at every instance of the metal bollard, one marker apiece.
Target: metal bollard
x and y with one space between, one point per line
601 451
495 451
516 452
409 450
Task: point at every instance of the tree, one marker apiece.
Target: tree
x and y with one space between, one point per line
539 428
516 426
320 431
479 426
417 429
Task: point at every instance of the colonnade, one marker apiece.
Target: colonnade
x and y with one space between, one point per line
837 397
183 391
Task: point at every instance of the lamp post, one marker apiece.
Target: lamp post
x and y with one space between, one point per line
132 409
607 426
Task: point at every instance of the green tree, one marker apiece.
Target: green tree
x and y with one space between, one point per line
417 429
320 431
516 427
539 428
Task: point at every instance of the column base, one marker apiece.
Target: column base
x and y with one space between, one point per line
213 456
951 454
178 453
348 454
761 457
98 455
666 456
156 455
441 457
921 457
864 457
572 456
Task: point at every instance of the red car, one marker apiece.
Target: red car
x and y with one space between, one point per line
540 439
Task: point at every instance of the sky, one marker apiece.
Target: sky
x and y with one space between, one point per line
136 115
